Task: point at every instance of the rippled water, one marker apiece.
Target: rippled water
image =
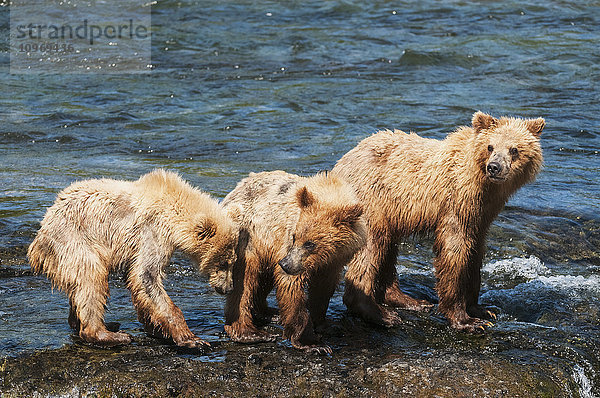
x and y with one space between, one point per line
245 87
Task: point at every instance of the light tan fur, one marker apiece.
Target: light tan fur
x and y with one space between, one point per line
309 226
99 226
453 188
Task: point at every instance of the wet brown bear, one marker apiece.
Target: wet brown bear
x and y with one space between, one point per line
454 188
300 234
99 226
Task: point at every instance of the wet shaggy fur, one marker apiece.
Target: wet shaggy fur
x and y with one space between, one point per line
300 233
453 188
99 226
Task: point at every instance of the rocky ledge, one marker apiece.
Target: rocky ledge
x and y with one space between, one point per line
421 359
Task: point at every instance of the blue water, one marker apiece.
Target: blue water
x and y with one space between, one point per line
247 87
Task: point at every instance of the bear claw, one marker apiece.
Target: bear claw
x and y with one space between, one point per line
390 319
315 349
194 342
472 325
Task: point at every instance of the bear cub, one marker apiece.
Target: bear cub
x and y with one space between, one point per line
453 188
104 225
297 233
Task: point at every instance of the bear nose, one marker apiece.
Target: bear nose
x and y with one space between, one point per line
285 263
494 168
288 265
226 290
220 290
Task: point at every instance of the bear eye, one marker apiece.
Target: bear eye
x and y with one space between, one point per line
490 148
514 152
309 246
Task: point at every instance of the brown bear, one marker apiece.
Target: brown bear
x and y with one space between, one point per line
99 226
297 233
453 188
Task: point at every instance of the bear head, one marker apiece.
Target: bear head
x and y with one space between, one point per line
215 246
508 149
326 232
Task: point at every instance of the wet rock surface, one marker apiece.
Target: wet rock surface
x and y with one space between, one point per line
421 359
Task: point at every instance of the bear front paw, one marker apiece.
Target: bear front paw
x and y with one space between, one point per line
372 312
248 335
389 318
478 311
314 349
192 342
472 325
394 297
105 338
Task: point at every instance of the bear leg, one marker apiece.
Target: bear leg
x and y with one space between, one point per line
295 319
87 315
474 309
320 290
458 277
242 302
361 285
262 314
388 281
160 316
74 322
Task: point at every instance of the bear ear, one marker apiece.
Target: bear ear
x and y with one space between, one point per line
305 198
349 214
483 121
535 126
205 228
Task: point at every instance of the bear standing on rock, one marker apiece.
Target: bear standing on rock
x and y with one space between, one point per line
299 234
454 188
99 226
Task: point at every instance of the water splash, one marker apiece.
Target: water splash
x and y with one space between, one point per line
583 382
517 268
572 285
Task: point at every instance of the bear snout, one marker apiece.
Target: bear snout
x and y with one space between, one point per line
220 290
222 282
495 171
291 264
224 290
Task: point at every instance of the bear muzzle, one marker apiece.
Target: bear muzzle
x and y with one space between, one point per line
496 171
222 282
292 262
223 290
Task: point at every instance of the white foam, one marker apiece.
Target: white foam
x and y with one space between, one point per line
529 268
537 276
572 284
583 382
